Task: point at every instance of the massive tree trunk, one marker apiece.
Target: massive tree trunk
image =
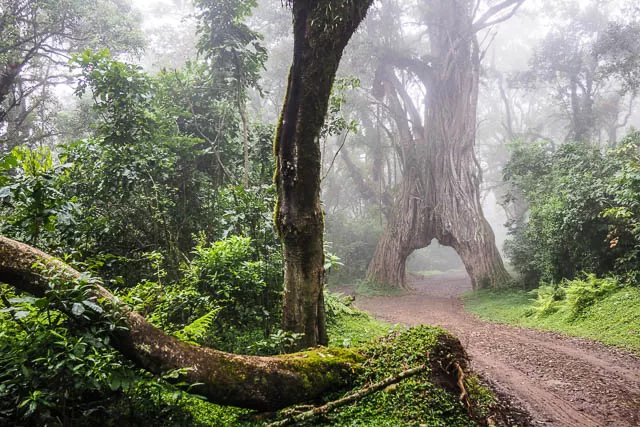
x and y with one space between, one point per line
440 195
321 31
263 383
403 234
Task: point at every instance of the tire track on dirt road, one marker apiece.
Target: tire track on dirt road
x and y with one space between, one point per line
562 381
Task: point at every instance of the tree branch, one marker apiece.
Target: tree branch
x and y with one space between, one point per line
324 409
485 20
263 383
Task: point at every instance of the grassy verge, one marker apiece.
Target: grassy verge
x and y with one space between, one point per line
353 328
613 317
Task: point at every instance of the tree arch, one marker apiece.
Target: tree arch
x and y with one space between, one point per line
439 196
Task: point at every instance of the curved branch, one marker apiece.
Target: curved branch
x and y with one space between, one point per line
487 19
365 187
263 383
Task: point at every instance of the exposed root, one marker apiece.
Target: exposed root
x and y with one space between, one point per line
294 416
464 396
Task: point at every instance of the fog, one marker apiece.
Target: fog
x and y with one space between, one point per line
546 75
515 75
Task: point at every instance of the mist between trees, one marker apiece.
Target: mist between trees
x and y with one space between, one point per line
161 147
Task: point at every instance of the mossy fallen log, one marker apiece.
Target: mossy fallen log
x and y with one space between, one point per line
262 383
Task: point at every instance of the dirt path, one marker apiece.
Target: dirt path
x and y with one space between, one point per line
561 381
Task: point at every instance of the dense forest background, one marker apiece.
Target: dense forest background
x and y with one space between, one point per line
136 144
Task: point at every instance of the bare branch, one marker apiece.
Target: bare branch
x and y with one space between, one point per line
488 18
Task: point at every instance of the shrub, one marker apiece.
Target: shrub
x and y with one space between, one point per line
56 367
564 232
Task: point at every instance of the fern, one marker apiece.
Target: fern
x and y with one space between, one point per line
197 329
337 304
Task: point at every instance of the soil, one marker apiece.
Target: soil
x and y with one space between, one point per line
559 380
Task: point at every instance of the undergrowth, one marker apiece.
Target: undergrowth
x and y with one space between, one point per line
422 399
418 400
349 327
429 398
599 309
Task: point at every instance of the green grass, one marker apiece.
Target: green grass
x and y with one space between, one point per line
355 330
613 319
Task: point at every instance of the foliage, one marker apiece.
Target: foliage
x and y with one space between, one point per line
354 241
600 309
232 47
279 342
136 180
32 206
229 297
565 232
201 106
619 50
335 123
586 61
36 40
573 296
138 186
57 366
229 272
349 327
199 328
624 209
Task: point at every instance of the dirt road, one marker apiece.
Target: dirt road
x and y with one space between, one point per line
561 381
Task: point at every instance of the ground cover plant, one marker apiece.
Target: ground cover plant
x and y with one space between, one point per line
600 309
111 390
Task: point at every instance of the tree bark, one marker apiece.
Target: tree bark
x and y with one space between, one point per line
403 234
440 196
262 383
321 31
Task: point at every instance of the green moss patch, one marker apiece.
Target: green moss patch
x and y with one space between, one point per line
428 398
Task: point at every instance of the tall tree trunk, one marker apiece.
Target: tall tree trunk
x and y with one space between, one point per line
321 30
263 383
403 234
442 199
245 142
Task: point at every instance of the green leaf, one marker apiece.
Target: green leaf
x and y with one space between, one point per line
5 192
21 314
93 306
77 309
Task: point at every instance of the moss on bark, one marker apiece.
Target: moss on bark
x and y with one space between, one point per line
264 383
321 31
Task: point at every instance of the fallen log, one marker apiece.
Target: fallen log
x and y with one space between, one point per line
254 382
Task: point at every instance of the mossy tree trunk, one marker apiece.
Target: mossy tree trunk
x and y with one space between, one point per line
263 383
440 192
321 30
